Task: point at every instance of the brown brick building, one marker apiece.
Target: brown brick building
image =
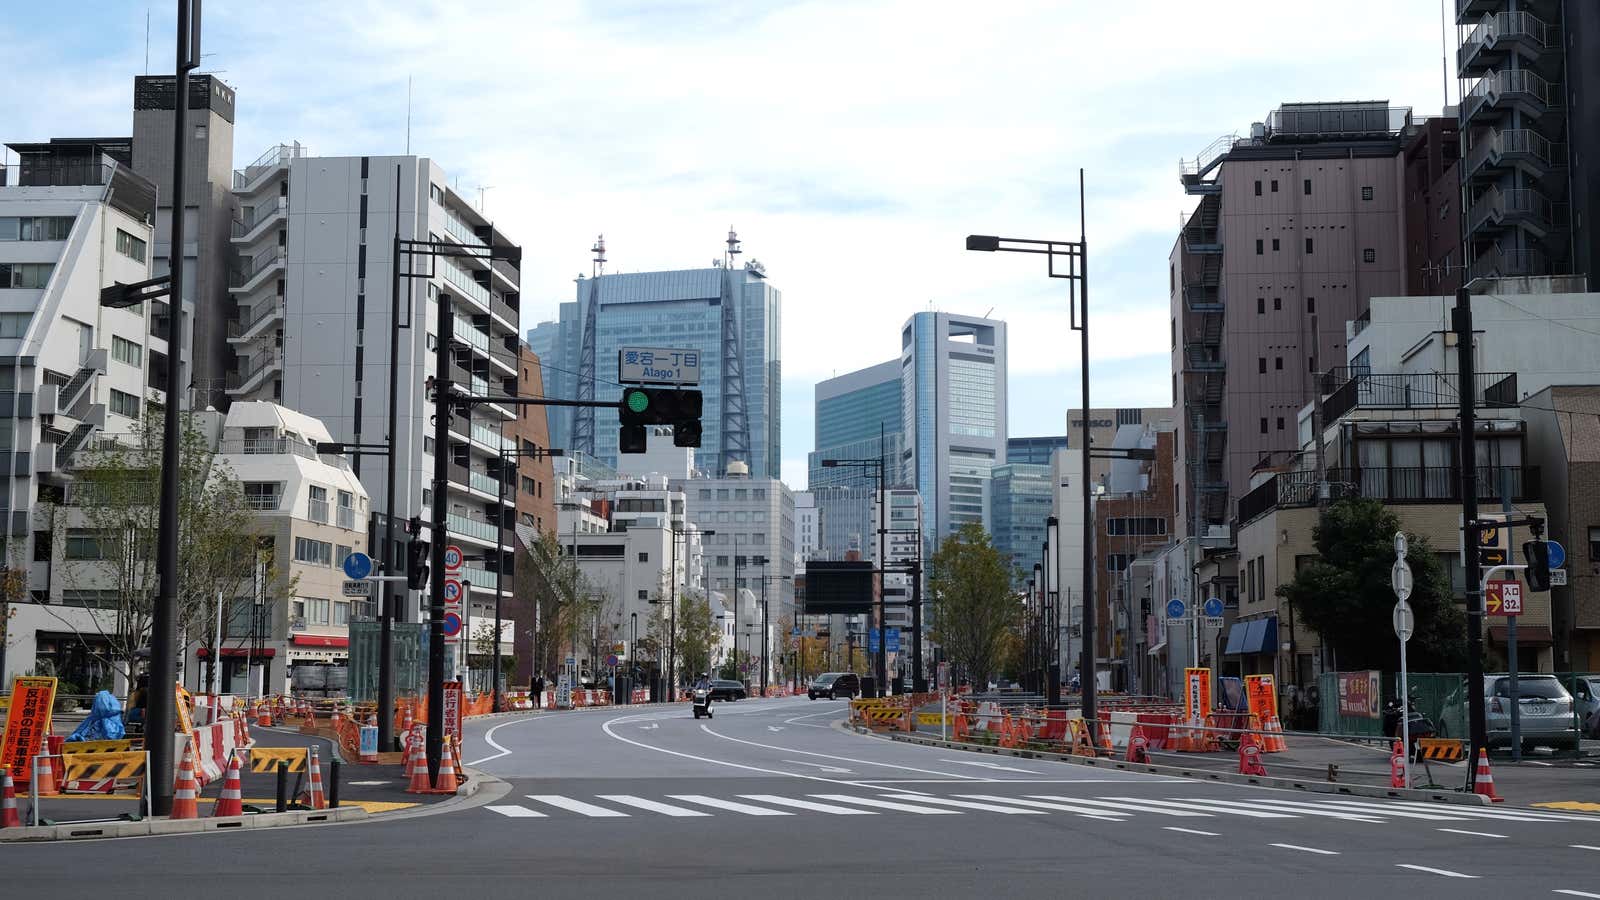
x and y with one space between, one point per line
1133 516
534 485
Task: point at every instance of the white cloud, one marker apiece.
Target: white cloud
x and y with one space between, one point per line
853 144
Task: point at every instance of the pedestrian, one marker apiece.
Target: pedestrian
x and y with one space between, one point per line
538 691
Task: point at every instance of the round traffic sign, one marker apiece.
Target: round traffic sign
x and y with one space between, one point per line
1400 580
452 591
1399 545
1175 608
1557 554
1214 607
611 660
1404 621
452 624
357 566
453 557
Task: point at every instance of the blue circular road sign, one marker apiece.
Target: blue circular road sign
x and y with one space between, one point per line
1557 553
357 566
452 625
1175 609
1214 607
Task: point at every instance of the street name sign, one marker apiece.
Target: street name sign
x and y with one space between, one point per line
653 365
357 589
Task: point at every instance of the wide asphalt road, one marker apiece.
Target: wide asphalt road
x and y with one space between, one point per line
771 798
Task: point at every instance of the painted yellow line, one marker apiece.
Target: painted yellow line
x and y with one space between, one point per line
1579 805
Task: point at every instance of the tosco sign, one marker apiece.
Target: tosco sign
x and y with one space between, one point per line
651 365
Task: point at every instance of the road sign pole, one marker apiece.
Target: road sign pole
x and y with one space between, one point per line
1400 580
1511 626
1405 713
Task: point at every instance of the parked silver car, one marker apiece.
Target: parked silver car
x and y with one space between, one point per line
1586 690
1545 711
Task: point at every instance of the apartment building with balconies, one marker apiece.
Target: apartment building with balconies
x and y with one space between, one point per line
312 295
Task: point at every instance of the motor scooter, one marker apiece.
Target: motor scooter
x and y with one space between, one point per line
1420 726
702 703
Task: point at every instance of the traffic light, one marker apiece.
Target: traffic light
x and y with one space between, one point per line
641 406
417 564
1537 555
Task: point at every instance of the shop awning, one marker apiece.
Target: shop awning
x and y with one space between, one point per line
1158 649
319 640
1236 639
1254 636
239 653
1527 635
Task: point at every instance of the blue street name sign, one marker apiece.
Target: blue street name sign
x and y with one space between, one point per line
894 639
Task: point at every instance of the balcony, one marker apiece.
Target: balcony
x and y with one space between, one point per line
1494 209
1497 93
317 511
275 158
251 226
1497 36
1520 147
255 270
1193 173
1348 389
472 528
255 371
268 447
480 578
263 501
1290 490
347 518
1202 359
1513 263
261 315
1440 484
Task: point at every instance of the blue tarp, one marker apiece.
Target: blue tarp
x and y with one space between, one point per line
104 722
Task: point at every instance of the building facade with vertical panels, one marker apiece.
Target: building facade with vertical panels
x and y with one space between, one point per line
312 299
1297 226
953 383
858 416
753 519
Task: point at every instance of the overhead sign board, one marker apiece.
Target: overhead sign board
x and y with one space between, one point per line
1504 598
357 589
654 365
838 588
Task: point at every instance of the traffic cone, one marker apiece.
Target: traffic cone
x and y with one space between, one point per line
185 790
263 714
447 783
308 724
1138 746
231 801
315 797
47 773
1483 781
410 718
1397 767
8 806
418 766
1250 756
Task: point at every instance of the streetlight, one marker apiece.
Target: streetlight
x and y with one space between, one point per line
1075 256
765 578
877 465
507 454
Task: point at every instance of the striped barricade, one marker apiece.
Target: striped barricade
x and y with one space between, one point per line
81 751
110 767
266 759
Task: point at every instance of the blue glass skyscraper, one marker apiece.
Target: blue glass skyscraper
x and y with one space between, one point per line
858 416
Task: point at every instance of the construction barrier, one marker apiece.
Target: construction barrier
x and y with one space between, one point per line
266 759
1442 749
81 749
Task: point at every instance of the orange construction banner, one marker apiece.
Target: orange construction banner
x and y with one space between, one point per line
27 723
1263 696
1197 692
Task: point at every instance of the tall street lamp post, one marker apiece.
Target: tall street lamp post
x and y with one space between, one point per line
1073 257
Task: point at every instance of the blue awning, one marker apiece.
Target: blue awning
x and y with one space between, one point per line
1262 636
1236 636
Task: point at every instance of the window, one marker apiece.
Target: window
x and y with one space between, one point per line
317 509
740 561
722 561
705 493
341 612
261 494
436 193
124 404
1274 245
1369 255
130 246
1259 246
1136 526
25 275
1280 423
1261 306
84 545
1594 543
1116 562
318 553
316 611
1311 305
644 594
1258 187
1261 365
1277 303
1274 185
1308 187
427 445
1277 363
35 228
1308 245
1366 192
758 493
741 494
758 538
529 486
644 557
126 351
1263 425
341 553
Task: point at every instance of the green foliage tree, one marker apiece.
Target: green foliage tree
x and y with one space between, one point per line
1345 597
974 608
559 590
697 635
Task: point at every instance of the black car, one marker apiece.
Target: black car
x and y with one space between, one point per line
834 685
724 689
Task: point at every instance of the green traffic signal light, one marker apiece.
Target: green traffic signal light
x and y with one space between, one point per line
637 401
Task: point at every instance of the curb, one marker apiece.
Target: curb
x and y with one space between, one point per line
98 830
1314 787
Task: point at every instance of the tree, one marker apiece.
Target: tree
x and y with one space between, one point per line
558 587
697 635
1345 597
974 608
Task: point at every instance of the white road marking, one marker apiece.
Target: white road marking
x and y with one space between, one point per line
729 805
774 727
516 812
796 719
1180 804
1090 811
1429 869
837 770
865 762
606 727
1306 849
987 807
1304 809
886 804
488 738
578 806
775 800
1571 893
1365 809
1473 833
989 765
1460 812
1535 762
665 809
1583 847
1132 807
651 727
1190 831
368 783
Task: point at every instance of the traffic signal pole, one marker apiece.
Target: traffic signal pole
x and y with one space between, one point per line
1461 323
443 406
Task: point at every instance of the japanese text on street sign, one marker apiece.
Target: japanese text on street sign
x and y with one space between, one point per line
650 365
356 589
27 723
1358 694
1262 694
452 713
1197 692
1504 598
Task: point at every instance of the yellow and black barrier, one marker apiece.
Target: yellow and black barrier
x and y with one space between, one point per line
266 759
1442 749
121 765
87 748
884 715
931 718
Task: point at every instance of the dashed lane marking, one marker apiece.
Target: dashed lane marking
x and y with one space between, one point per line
1487 834
1191 831
1306 849
1432 871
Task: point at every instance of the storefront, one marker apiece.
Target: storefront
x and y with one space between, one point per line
317 665
1252 647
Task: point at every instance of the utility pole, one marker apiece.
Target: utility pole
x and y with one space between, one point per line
162 708
1461 323
443 389
883 563
388 604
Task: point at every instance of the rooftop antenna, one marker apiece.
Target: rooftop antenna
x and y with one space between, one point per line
599 251
483 189
987 314
733 246
147 39
408 115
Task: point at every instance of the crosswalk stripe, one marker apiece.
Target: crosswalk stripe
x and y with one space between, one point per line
1058 807
1130 807
1365 810
731 806
885 804
1488 813
578 806
1350 815
665 809
968 804
516 812
1458 812
1251 813
807 804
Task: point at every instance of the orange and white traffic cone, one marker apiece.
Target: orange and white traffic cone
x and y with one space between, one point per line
308 725
1483 781
1397 767
419 770
231 801
185 790
409 718
447 783
316 798
1250 756
263 714
8 806
1138 746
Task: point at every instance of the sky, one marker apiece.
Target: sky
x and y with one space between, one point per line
852 143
